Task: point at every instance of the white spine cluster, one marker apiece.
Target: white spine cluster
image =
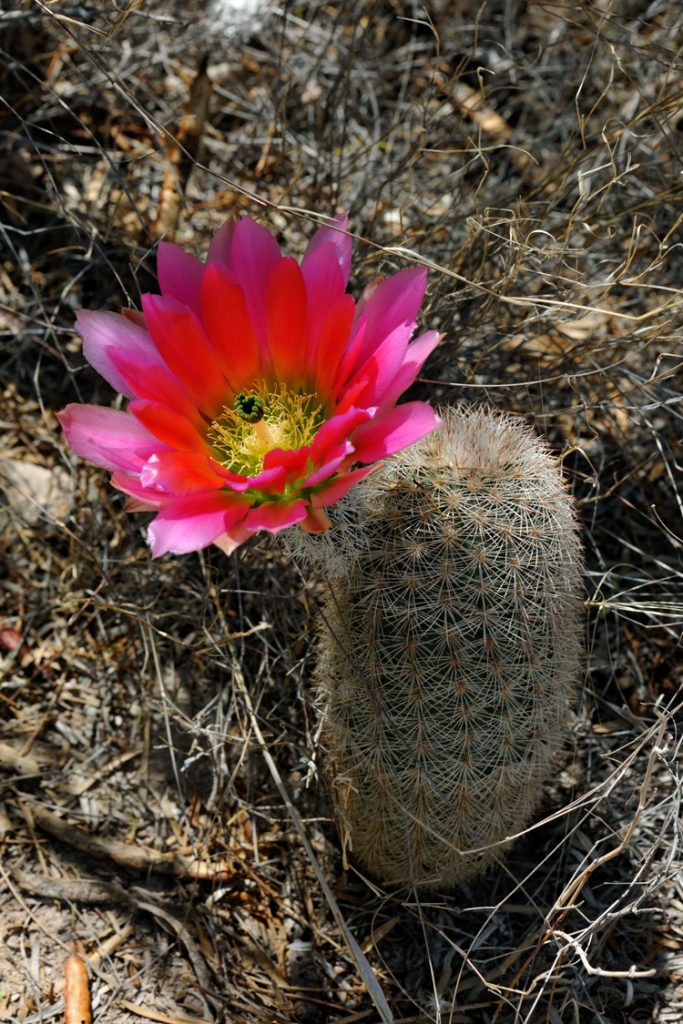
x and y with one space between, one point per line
449 648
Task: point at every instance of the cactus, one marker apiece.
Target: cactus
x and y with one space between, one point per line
449 648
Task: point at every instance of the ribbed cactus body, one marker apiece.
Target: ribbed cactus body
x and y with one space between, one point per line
449 649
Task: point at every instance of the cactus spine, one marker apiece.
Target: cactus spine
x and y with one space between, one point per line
449 649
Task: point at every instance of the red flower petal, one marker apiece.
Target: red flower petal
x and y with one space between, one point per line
333 340
286 319
340 486
336 430
232 538
251 256
325 284
149 378
276 515
169 426
334 461
181 473
294 462
316 521
180 338
229 327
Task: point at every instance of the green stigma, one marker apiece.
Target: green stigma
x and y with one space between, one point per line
249 407
270 416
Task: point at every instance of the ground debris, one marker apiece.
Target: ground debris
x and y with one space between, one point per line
531 163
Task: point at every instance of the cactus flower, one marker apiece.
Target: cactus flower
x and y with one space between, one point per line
259 392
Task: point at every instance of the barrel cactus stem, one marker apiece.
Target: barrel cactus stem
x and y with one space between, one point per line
449 649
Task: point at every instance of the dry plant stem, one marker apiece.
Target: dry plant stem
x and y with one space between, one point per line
570 894
21 764
104 950
53 889
600 972
182 153
93 891
9 885
160 1018
374 990
134 858
572 891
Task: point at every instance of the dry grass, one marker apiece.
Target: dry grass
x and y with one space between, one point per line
530 154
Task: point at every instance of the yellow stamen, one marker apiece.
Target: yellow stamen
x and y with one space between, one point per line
290 420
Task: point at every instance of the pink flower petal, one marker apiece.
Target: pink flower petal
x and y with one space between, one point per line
229 327
418 352
350 357
341 456
380 369
334 233
268 481
317 521
179 274
393 431
252 255
219 249
231 539
105 334
276 515
286 319
335 430
340 486
107 437
389 304
135 505
143 498
190 523
134 316
181 472
180 338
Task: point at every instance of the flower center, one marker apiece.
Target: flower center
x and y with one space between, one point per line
261 420
249 407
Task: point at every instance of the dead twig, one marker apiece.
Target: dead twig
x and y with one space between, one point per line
134 858
182 154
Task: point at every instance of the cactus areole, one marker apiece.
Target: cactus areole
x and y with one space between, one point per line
449 650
